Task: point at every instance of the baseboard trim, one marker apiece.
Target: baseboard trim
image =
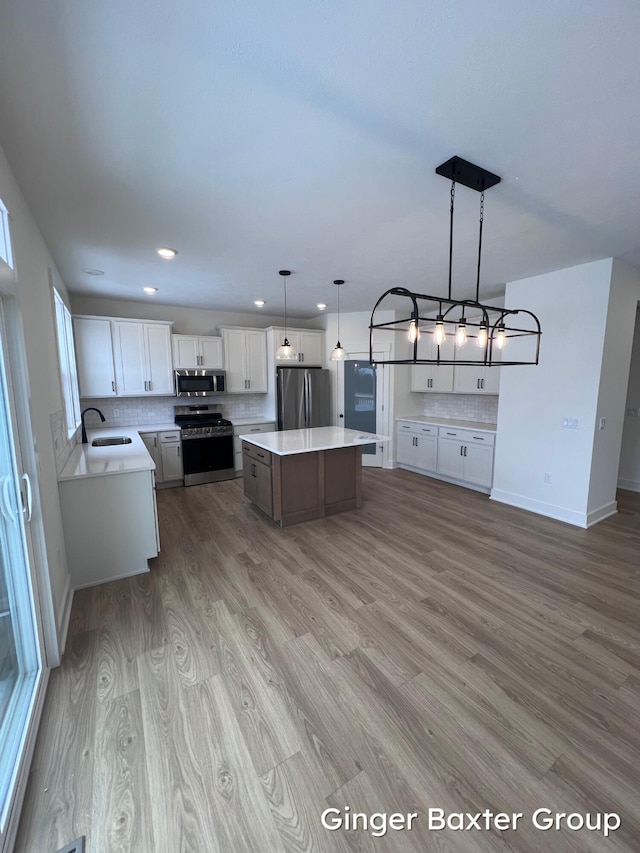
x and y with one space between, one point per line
600 514
629 485
560 513
466 484
113 578
65 618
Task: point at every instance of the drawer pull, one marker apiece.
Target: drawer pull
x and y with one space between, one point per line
478 438
452 433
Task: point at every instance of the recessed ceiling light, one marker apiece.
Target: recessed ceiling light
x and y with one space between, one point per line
93 272
321 305
259 302
150 289
166 253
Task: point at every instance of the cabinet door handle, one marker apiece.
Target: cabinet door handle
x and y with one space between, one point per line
482 383
145 384
113 386
155 441
465 451
460 450
150 385
248 383
179 450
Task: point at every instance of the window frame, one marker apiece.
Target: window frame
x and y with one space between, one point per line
67 363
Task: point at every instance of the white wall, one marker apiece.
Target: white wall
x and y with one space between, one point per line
572 306
629 472
32 261
187 321
618 343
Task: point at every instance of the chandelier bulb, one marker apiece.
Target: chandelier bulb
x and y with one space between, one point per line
482 337
501 337
461 332
414 331
439 335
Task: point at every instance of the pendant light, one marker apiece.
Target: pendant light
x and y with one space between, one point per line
338 353
446 318
285 351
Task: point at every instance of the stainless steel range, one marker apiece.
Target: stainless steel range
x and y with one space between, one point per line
207 444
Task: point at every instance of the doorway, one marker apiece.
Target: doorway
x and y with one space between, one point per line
362 398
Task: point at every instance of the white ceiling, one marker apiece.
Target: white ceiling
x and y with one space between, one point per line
258 135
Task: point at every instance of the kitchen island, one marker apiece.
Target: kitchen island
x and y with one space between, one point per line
301 474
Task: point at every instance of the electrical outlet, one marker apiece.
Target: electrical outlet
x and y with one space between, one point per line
116 413
570 423
547 477
602 423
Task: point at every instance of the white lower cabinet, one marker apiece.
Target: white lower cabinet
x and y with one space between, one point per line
165 448
418 446
247 429
462 456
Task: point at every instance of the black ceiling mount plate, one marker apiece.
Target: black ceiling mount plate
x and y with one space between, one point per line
466 173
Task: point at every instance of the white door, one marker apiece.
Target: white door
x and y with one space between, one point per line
94 354
211 353
21 651
234 358
185 351
131 367
171 461
450 458
257 362
363 401
478 464
159 367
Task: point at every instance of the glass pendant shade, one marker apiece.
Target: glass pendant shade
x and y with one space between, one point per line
285 351
338 353
439 335
481 339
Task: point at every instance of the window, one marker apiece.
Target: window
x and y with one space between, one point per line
67 359
5 242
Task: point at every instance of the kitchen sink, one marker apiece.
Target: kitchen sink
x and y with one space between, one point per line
113 439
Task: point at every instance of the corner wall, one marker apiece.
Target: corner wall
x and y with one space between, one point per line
572 306
629 471
614 376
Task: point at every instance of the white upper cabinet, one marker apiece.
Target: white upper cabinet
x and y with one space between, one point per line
245 354
309 345
475 379
433 377
94 353
197 351
123 358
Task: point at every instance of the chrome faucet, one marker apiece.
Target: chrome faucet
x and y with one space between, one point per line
83 413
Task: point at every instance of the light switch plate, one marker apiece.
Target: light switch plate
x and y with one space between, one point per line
570 423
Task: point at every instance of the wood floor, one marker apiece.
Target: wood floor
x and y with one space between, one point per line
431 650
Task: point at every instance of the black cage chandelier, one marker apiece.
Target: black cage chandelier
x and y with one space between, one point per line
443 330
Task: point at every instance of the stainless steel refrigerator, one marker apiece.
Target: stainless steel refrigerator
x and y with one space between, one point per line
304 397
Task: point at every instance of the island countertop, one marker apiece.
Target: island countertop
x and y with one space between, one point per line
292 441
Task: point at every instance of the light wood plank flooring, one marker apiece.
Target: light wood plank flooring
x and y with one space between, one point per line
431 650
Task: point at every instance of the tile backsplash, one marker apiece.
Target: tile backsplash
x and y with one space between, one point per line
465 407
62 446
134 411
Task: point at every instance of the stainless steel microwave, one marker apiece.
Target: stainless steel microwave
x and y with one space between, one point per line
200 383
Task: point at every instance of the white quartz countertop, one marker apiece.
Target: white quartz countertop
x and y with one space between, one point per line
88 461
290 441
258 419
477 426
164 427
